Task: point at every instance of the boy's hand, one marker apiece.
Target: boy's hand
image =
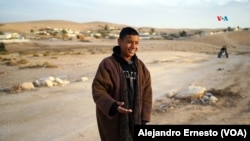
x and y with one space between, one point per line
121 109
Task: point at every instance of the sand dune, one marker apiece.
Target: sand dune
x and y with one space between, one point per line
26 26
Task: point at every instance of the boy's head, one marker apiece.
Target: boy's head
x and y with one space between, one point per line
128 42
127 31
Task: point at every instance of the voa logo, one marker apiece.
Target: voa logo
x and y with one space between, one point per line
222 18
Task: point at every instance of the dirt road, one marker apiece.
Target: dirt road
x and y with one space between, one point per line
68 113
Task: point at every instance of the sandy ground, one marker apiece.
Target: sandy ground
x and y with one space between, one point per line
64 113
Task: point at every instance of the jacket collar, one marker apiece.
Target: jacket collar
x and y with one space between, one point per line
117 55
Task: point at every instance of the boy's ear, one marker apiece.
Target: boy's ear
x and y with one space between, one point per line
119 41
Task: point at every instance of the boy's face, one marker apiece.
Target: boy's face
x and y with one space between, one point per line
129 46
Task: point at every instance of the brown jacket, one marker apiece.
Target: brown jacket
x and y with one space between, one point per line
106 88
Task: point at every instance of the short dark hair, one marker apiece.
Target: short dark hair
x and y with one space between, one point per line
127 31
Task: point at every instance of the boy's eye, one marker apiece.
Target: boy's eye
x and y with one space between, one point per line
130 42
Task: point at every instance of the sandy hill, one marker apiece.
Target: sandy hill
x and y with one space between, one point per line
22 27
237 43
26 26
241 38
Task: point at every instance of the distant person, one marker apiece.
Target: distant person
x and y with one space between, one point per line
223 52
122 90
2 47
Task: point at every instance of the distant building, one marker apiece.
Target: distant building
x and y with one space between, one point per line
8 35
144 36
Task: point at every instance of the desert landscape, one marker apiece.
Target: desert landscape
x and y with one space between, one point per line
67 113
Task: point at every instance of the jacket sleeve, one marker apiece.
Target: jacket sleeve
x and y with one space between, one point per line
101 87
146 95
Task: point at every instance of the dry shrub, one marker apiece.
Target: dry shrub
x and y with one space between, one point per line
23 61
36 55
4 53
47 53
78 53
223 92
15 88
25 53
48 65
44 65
6 59
227 97
12 62
54 57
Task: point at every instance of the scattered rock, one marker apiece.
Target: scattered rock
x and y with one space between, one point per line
172 93
49 81
192 92
27 86
83 79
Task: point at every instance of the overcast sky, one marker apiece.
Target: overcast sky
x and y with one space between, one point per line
152 13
